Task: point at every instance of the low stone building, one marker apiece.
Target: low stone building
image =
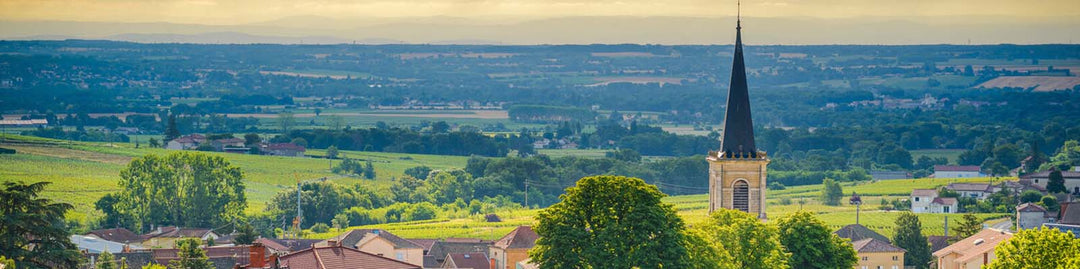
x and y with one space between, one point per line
1030 215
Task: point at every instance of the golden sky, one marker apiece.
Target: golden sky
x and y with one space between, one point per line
227 12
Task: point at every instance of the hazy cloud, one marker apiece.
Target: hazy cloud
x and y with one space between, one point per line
249 11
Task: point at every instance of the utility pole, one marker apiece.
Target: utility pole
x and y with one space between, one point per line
946 226
857 201
526 194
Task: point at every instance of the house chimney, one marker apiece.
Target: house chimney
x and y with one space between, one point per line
257 255
331 243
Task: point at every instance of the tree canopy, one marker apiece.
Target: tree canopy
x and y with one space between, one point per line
1037 248
32 229
908 236
812 244
183 188
609 222
740 240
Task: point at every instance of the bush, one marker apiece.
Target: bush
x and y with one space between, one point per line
320 228
421 211
492 218
7 151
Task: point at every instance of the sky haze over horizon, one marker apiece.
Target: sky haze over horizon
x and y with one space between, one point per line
523 21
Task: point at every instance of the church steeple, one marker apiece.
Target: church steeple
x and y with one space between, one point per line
738 139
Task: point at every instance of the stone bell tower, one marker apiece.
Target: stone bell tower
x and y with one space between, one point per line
737 171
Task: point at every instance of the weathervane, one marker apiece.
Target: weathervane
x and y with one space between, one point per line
738 14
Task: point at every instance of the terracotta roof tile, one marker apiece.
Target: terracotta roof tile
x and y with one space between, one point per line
473 260
340 258
521 237
975 245
871 245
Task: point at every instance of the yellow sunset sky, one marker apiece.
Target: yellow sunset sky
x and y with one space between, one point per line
226 12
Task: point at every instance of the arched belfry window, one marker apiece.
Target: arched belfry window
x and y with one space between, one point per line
741 196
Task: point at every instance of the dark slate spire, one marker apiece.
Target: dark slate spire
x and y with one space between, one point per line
738 140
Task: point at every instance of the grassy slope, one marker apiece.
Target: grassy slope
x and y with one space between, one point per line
83 172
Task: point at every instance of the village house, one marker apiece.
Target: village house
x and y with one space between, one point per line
875 253
440 248
186 142
1030 215
378 242
957 171
973 190
222 144
166 237
874 250
472 260
1072 179
285 246
927 201
972 252
284 149
338 257
119 235
513 247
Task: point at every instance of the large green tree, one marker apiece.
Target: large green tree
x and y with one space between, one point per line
191 256
448 185
610 222
740 240
969 225
1056 182
320 201
831 193
1037 249
908 236
812 244
183 188
32 229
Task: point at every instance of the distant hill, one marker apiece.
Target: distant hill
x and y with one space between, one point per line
572 30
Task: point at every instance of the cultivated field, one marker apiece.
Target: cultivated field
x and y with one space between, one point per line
83 172
1040 83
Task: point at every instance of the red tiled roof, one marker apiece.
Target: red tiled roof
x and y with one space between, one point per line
424 243
923 192
521 237
945 201
1030 207
119 235
340 257
1070 213
473 260
975 245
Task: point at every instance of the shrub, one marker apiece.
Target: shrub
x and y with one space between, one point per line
320 228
